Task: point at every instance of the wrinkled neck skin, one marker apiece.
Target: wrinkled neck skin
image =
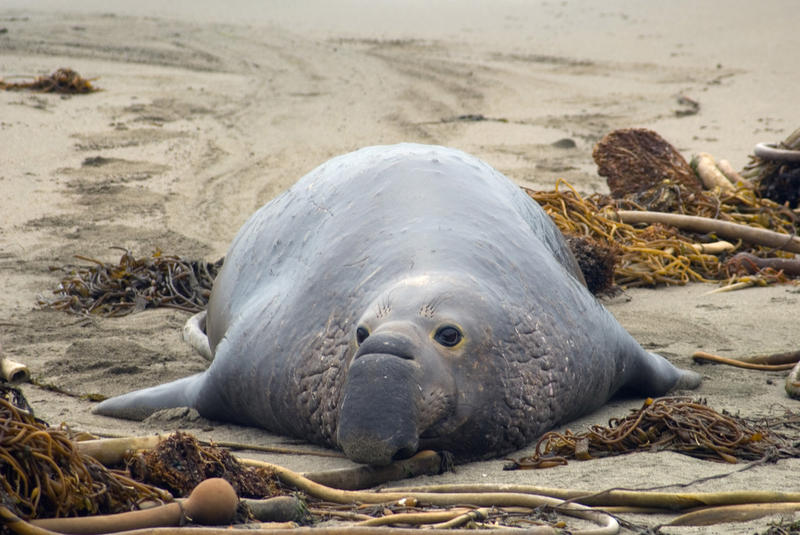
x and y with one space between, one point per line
422 366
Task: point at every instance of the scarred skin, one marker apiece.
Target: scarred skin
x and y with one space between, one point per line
333 316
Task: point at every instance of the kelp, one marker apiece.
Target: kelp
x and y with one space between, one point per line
664 255
671 423
134 284
652 184
42 474
62 81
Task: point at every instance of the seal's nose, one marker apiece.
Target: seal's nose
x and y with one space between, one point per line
378 418
388 343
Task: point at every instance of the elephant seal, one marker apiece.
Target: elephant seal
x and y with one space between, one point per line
405 297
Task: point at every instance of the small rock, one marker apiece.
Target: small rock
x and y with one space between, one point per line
565 143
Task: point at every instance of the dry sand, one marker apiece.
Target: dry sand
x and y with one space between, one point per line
208 110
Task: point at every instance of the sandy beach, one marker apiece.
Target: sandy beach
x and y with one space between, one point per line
209 111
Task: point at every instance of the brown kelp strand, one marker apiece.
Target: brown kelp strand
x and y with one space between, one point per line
42 474
62 81
662 254
134 284
670 423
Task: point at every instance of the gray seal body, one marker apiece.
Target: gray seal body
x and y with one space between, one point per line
405 297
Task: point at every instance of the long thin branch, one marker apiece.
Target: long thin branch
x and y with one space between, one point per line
702 355
607 524
673 501
723 229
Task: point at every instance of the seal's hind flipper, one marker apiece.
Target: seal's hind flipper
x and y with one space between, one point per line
653 375
140 404
194 334
688 380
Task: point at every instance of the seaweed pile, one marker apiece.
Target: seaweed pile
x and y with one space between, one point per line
134 284
62 81
663 253
670 423
179 463
44 474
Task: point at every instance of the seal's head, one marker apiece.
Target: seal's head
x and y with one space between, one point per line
421 371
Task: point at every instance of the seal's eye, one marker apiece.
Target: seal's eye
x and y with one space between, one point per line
361 334
448 335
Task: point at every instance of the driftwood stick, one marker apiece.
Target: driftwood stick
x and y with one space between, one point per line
766 151
716 247
432 517
733 513
723 229
14 372
702 355
733 175
673 501
706 168
786 357
425 462
20 527
112 451
752 263
606 523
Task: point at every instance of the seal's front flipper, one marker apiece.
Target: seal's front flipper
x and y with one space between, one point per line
140 404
